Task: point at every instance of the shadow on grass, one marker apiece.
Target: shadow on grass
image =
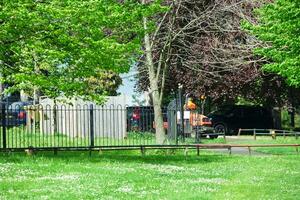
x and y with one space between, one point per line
152 157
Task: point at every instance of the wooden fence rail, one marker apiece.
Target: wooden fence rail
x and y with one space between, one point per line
143 149
270 132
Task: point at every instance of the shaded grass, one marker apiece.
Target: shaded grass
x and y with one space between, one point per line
158 175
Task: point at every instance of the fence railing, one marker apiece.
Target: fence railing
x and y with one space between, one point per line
269 132
75 126
87 126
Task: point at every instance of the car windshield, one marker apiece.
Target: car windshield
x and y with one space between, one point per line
222 110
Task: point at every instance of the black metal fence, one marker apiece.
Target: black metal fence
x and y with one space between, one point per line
88 126
80 126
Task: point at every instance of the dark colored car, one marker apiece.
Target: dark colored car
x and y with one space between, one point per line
141 118
15 114
229 119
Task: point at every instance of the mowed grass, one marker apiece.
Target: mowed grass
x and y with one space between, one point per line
156 175
267 140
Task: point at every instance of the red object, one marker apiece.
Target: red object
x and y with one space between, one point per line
136 115
166 125
199 120
22 115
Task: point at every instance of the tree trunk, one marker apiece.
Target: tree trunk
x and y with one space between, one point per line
23 96
156 96
36 95
292 111
292 123
276 116
158 118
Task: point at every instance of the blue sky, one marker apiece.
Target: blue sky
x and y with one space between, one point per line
127 87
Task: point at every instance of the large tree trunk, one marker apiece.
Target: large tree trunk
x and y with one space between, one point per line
158 118
156 95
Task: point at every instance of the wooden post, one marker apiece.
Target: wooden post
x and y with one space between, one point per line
239 133
186 151
100 151
29 152
143 150
254 134
55 151
273 133
229 150
198 151
249 149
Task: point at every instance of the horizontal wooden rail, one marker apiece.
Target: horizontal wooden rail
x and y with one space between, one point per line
270 132
143 148
245 145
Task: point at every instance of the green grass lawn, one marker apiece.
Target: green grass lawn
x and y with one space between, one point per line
157 175
267 140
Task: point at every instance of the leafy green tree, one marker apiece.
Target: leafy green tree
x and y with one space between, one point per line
104 81
59 46
278 26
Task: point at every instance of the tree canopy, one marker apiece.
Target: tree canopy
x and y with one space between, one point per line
212 55
278 26
59 46
203 47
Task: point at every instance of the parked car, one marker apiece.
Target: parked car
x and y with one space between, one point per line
228 119
15 114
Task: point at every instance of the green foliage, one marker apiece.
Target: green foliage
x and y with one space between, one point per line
57 46
243 101
279 27
104 81
286 120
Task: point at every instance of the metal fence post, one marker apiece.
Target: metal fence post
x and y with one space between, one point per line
181 104
176 118
92 130
3 113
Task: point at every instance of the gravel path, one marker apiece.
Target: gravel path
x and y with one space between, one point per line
238 150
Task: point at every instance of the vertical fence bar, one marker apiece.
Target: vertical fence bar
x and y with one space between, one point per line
3 113
114 125
181 112
101 128
92 138
175 120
